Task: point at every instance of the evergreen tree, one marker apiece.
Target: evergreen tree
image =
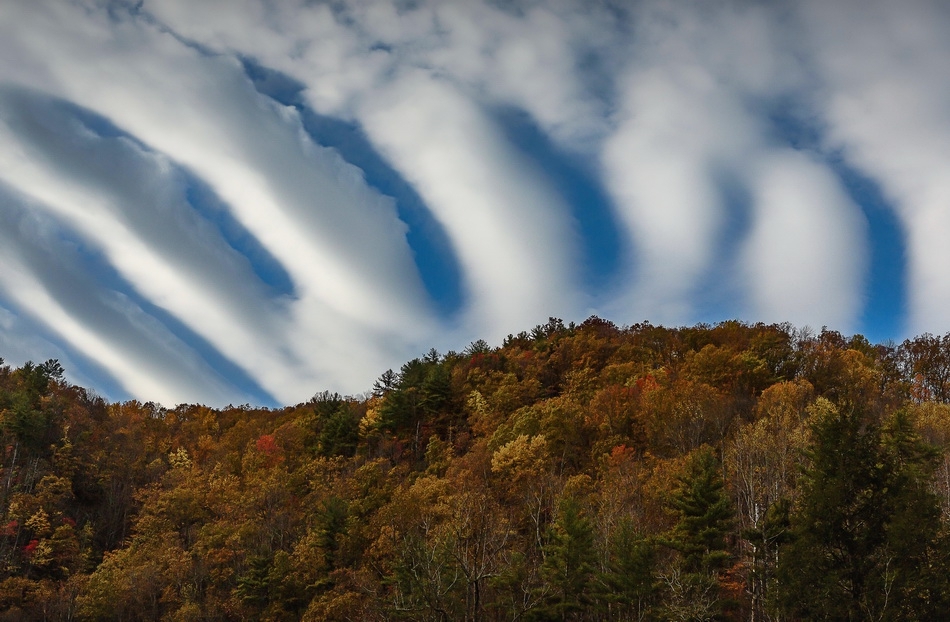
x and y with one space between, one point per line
340 433
705 518
865 534
569 565
824 572
630 581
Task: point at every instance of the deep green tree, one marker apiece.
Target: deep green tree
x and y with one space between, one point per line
705 518
705 515
824 572
401 408
916 546
331 524
569 567
385 383
340 433
865 535
423 396
253 585
22 411
630 577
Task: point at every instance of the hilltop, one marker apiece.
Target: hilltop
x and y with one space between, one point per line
576 472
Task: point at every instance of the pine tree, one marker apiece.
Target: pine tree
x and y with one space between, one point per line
840 521
865 534
569 565
630 576
705 518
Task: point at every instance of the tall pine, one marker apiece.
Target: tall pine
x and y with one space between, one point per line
705 519
865 533
570 563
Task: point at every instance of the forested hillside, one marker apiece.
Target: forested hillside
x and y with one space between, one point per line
577 472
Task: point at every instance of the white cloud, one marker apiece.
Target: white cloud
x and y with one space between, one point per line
660 165
510 231
22 341
805 254
151 240
886 99
694 114
42 274
341 242
669 101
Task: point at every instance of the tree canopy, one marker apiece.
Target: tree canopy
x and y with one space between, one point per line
586 472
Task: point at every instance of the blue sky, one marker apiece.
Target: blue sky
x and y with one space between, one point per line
249 202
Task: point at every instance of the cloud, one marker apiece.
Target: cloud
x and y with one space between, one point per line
886 101
660 168
129 204
510 231
22 340
341 242
697 124
805 253
258 264
43 272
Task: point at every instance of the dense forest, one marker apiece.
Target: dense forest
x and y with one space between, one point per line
577 472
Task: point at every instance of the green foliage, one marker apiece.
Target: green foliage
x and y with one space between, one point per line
569 567
704 518
705 515
865 535
632 586
340 433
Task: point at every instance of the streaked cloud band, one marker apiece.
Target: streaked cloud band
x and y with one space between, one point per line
174 221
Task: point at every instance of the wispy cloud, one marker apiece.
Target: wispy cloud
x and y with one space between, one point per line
185 231
44 273
886 98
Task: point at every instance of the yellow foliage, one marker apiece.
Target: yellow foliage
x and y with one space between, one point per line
578 486
523 457
764 459
179 459
933 422
369 422
42 555
786 399
39 523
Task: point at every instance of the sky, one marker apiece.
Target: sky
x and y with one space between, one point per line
251 201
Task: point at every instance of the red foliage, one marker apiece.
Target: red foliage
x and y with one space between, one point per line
267 445
621 454
647 383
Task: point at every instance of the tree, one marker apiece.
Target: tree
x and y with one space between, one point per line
763 462
925 361
480 532
386 383
569 565
340 433
423 393
479 346
705 518
684 416
824 572
865 534
630 575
